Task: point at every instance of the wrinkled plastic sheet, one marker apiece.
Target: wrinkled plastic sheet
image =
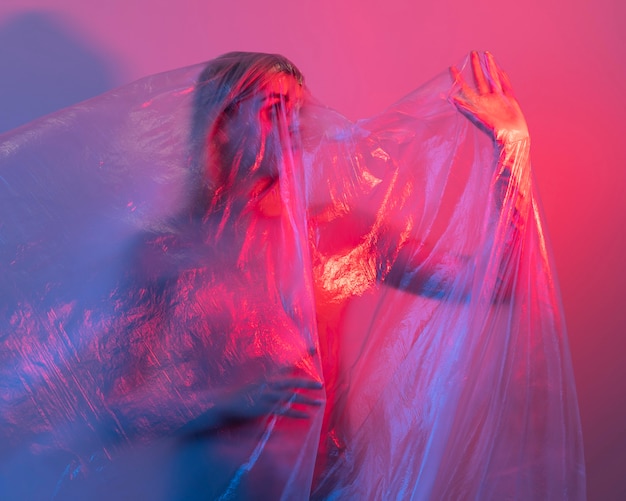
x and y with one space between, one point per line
186 260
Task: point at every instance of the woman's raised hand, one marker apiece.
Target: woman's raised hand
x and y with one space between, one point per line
492 106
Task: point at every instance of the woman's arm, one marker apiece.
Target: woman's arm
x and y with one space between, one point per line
493 109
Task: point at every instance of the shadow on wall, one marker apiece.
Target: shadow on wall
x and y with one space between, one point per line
45 66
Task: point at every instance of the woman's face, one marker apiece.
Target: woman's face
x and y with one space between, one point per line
260 137
280 101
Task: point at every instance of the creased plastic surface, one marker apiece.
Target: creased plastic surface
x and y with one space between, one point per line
187 259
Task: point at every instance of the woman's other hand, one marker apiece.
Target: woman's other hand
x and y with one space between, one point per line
492 106
288 396
283 397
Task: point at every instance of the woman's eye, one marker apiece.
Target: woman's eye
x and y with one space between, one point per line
274 110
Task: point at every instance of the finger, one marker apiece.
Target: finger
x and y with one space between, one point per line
458 78
274 396
494 75
479 76
298 398
456 75
298 382
289 396
463 105
472 114
507 89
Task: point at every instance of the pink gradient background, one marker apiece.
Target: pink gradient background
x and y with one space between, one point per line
567 62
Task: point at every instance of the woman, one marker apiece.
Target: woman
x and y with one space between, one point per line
181 336
406 246
235 318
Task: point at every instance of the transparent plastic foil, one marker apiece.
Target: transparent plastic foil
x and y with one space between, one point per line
214 287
